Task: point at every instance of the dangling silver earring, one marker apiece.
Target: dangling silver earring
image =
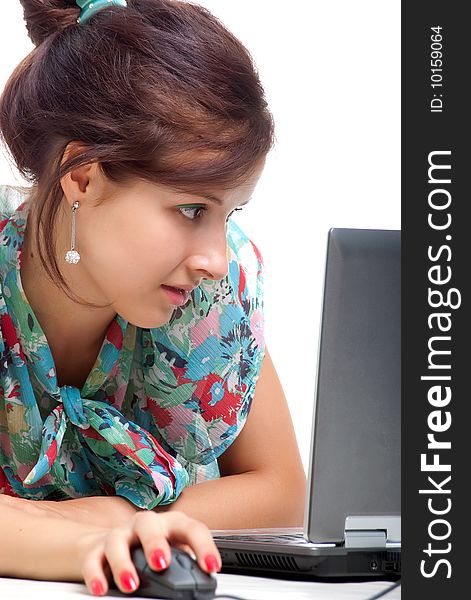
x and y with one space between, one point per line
72 256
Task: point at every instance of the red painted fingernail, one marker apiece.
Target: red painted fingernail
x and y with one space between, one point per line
157 558
211 563
97 588
128 582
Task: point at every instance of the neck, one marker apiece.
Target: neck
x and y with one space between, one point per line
63 321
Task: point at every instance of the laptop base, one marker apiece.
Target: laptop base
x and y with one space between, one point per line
333 562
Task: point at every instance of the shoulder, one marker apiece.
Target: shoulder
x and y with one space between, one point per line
245 261
13 205
11 196
241 245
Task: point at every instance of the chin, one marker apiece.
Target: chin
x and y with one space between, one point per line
147 321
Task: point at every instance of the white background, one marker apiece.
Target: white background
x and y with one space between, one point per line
331 72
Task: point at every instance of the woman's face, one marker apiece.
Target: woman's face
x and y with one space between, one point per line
145 236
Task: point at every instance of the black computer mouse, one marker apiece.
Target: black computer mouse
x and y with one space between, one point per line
183 579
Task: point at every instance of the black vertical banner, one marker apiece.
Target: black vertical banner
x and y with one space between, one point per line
436 271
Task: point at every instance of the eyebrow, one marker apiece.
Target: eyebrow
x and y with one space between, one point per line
217 200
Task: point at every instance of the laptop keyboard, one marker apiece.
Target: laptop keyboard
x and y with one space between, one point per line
284 539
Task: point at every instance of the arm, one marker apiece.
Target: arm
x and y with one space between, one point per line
263 482
40 548
98 511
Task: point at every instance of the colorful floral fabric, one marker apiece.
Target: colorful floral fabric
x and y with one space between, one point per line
159 406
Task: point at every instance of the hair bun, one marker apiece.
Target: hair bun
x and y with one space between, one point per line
45 17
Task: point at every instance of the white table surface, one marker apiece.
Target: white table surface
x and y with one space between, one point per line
249 588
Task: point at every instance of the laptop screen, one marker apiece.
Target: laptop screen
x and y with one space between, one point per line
355 452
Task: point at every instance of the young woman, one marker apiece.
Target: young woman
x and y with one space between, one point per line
138 401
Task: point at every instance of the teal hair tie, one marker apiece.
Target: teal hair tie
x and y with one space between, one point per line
92 7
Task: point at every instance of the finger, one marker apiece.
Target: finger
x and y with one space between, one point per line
94 573
118 555
151 530
182 529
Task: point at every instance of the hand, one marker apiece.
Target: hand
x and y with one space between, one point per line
107 554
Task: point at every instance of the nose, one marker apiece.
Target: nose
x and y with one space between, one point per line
210 257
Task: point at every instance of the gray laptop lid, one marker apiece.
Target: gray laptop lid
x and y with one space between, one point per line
355 451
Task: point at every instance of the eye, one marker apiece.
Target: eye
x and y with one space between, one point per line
201 208
193 208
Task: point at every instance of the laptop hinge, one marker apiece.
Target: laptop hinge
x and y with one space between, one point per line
372 531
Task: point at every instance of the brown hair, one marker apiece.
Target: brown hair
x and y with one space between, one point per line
159 90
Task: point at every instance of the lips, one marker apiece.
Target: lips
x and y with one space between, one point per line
176 296
184 288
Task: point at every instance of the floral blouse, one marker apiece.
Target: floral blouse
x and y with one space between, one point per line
159 406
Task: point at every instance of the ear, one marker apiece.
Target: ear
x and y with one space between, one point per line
84 183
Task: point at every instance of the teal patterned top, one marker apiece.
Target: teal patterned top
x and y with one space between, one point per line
159 406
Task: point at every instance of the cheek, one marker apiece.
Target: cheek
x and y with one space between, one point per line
136 253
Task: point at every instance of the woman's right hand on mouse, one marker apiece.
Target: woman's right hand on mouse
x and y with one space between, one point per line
106 554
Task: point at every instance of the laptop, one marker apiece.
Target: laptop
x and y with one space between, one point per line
352 524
